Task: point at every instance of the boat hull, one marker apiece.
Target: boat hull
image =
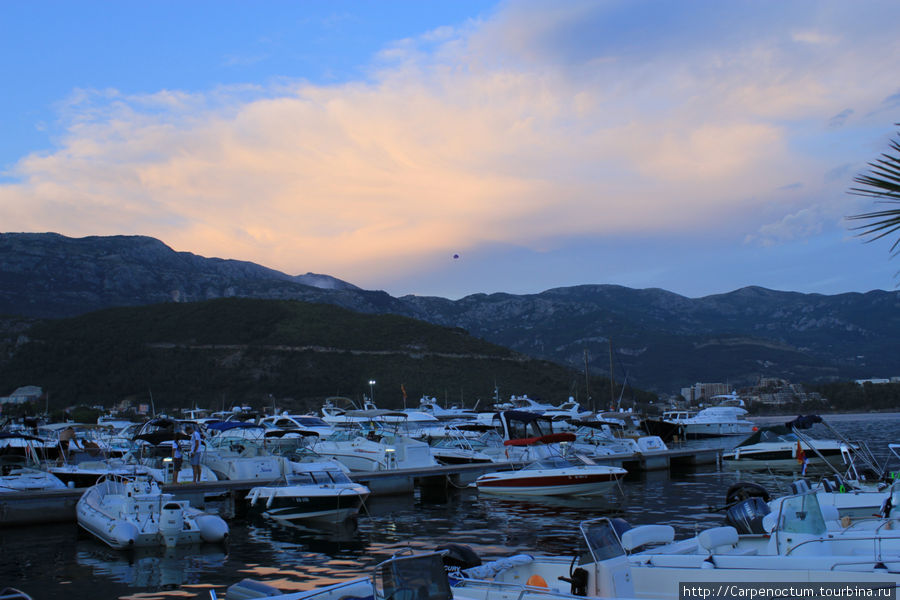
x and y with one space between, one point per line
562 484
300 503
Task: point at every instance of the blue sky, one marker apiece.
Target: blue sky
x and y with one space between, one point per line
694 146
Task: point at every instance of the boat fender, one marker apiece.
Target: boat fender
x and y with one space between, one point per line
254 496
212 528
124 534
271 498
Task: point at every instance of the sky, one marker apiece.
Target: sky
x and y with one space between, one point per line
452 148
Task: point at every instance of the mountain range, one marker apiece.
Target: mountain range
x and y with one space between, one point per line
651 338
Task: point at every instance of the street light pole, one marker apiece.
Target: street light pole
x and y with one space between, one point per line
372 391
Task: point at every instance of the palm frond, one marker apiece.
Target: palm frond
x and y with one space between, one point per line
882 183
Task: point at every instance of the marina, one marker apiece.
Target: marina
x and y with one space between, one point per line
58 506
686 496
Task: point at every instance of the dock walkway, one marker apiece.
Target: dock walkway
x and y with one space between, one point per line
58 506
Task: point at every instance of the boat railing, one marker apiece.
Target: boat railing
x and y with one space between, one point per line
523 590
876 547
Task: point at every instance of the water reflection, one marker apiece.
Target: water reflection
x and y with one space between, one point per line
154 568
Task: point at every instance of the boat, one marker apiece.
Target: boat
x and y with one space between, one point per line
455 448
19 478
129 512
430 406
645 561
288 421
321 491
574 475
724 419
786 447
375 448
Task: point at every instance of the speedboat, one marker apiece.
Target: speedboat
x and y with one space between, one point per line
785 447
321 491
128 512
553 476
14 478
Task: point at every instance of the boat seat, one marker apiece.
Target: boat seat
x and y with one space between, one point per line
741 552
683 547
647 534
717 537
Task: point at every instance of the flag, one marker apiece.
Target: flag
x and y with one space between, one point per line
801 455
403 391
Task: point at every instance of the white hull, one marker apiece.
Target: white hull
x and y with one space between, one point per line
550 490
582 480
125 514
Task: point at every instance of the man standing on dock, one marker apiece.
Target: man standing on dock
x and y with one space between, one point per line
195 452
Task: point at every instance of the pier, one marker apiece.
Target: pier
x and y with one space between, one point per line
58 506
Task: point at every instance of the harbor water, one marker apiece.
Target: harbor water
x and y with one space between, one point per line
57 561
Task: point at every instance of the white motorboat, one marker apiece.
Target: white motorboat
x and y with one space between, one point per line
599 438
430 406
87 473
320 491
15 478
724 419
288 421
646 562
127 512
454 448
375 450
553 476
785 447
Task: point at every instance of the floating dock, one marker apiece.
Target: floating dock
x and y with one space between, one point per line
58 506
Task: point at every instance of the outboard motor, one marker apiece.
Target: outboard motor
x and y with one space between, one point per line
743 490
458 557
171 522
746 505
747 515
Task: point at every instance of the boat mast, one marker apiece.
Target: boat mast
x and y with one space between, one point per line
612 381
587 382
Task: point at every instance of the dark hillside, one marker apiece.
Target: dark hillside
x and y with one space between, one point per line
241 351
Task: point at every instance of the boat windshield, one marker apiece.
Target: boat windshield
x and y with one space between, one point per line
802 514
602 541
318 478
419 577
559 462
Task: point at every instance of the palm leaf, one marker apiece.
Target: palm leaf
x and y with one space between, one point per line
882 183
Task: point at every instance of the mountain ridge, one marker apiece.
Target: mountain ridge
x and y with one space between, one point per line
658 339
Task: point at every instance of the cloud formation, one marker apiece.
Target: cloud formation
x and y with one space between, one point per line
543 121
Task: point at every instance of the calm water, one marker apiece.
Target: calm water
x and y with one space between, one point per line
56 561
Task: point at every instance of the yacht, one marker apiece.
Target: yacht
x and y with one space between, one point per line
724 419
